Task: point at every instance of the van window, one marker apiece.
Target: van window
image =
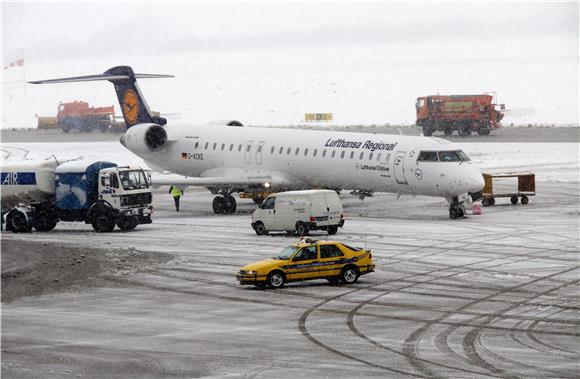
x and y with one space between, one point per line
269 203
330 251
305 254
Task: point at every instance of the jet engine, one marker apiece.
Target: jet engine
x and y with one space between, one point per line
144 138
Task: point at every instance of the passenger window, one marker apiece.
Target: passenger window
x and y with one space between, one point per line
231 146
378 157
288 151
305 152
196 145
269 203
370 156
330 251
214 145
388 158
315 152
114 181
240 147
361 155
206 145
342 154
248 148
333 153
281 150
305 254
351 154
272 150
297 151
223 146
259 148
427 156
324 153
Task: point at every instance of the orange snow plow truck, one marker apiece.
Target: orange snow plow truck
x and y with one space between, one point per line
78 115
464 113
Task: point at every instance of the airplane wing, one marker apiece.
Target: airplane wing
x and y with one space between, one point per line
217 181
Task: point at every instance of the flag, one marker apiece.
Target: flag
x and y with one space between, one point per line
16 63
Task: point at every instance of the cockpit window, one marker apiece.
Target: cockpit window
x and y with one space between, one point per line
428 156
453 156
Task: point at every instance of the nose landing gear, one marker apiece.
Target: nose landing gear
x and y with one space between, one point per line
224 204
456 209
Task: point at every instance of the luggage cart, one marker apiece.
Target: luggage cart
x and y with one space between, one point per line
526 188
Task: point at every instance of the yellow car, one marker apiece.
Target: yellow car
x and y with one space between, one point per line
308 260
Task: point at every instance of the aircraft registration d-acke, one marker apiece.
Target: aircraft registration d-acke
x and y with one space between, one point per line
229 158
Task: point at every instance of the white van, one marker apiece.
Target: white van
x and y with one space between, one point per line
299 212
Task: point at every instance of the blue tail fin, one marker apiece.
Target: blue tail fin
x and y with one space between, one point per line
133 105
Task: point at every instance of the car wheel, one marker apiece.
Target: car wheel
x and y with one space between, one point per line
332 229
301 229
260 229
349 275
275 280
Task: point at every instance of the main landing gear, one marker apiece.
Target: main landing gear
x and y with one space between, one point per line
456 209
224 204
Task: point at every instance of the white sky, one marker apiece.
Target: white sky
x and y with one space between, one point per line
439 35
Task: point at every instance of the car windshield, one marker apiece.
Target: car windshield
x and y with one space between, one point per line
133 179
286 253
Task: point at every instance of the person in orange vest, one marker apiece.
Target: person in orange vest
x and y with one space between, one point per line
176 192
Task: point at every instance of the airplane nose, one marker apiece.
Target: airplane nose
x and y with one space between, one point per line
122 140
476 183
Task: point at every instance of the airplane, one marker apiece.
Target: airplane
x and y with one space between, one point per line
228 158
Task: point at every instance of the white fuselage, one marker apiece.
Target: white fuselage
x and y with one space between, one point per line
304 159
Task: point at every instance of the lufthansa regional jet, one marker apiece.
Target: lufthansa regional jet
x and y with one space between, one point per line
228 159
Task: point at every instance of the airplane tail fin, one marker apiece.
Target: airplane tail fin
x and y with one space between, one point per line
133 105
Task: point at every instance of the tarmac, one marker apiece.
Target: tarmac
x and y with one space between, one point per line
495 295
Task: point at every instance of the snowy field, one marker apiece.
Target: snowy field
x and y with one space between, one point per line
495 295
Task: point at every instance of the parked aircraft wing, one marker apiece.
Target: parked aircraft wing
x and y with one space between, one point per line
224 181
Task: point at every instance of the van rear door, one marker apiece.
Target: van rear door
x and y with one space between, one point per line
334 207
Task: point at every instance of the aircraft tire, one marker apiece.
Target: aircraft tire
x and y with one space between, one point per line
230 204
219 205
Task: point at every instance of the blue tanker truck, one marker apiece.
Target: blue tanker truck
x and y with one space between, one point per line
39 194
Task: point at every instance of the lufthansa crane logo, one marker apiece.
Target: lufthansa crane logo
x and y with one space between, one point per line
130 106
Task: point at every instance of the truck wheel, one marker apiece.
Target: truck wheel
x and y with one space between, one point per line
525 200
44 222
260 229
301 229
103 224
66 127
275 280
17 222
483 132
332 229
349 275
514 200
427 131
128 223
448 131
